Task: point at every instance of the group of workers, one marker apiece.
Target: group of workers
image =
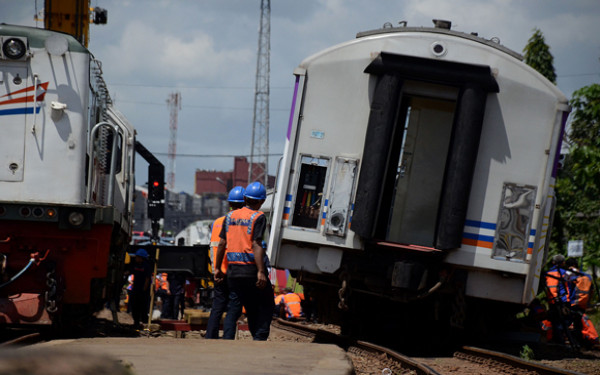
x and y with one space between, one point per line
240 266
568 292
169 287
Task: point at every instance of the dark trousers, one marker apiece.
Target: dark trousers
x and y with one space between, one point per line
223 302
178 305
259 304
139 306
167 308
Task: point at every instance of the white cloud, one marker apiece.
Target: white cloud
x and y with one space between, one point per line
148 51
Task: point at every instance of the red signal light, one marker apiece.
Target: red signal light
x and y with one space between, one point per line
155 183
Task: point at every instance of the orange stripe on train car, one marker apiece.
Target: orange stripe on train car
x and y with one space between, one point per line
477 243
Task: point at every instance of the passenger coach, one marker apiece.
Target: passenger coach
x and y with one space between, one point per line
419 167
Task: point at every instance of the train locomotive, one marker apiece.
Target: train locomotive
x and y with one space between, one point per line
66 180
417 180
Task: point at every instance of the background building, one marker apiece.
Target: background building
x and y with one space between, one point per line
218 182
208 202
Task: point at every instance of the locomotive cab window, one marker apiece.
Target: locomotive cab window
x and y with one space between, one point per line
309 193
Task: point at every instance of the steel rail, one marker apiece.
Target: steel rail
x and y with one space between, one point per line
323 336
28 339
516 362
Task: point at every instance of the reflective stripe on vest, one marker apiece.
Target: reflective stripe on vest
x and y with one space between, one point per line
214 243
292 305
239 225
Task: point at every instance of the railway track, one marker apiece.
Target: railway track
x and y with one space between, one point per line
24 339
467 360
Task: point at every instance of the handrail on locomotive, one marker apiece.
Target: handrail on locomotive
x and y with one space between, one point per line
113 160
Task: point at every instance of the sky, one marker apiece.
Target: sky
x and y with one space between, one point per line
207 51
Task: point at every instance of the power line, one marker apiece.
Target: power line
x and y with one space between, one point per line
195 87
212 155
199 106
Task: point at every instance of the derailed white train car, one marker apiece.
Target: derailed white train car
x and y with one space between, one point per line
419 163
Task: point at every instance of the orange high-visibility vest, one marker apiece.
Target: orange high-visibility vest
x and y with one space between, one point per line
588 331
278 299
547 327
239 225
557 287
292 305
161 282
581 293
214 243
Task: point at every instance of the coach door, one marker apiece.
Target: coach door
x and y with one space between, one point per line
421 144
420 149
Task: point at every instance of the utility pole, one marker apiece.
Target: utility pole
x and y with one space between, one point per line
174 104
259 159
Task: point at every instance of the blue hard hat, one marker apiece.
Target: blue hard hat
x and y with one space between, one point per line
256 190
236 195
141 253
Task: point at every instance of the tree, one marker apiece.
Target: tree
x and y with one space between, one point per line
538 56
585 124
578 185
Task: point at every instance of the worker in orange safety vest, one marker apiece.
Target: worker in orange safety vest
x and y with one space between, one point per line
161 288
221 299
558 298
247 278
580 286
292 301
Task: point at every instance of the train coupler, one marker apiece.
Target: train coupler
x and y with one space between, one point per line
51 294
344 291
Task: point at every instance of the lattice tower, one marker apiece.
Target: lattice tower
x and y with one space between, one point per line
259 159
174 104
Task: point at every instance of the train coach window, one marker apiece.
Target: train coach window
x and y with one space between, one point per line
309 193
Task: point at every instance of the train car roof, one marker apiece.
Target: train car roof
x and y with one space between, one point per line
37 37
493 42
390 32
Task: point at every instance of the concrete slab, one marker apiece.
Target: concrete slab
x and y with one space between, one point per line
149 356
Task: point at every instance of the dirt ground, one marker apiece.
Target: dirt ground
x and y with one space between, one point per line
586 362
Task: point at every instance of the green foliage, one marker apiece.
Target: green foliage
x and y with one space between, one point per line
538 56
577 214
585 124
527 353
594 317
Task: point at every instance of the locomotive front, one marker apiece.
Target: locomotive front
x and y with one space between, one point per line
65 181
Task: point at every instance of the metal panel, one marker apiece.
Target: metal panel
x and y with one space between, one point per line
514 222
192 260
340 196
13 107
